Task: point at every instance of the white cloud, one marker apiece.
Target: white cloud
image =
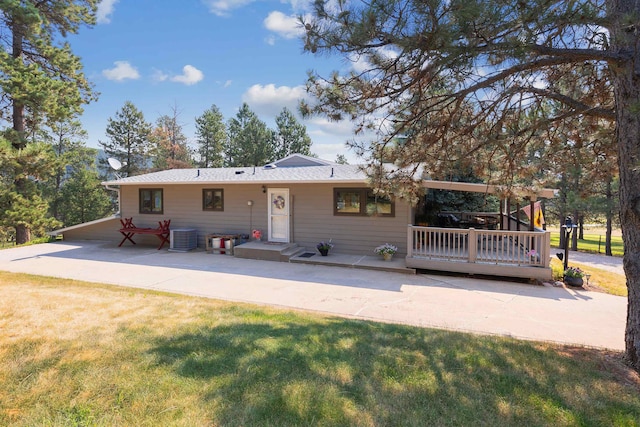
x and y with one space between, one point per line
224 7
360 63
342 129
105 9
122 71
298 4
224 84
190 75
286 26
159 76
270 100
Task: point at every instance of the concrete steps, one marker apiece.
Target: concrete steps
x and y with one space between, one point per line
291 252
268 251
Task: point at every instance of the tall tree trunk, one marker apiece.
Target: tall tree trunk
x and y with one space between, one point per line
626 83
55 201
581 227
23 234
574 234
609 216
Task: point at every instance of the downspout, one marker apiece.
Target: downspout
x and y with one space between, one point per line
117 189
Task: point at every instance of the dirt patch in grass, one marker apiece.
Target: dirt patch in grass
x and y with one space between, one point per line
609 362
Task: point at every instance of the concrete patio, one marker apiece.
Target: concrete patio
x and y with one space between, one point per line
293 253
461 303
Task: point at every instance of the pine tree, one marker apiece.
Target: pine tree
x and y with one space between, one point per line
170 148
341 159
251 142
471 80
67 139
83 198
129 143
40 79
27 207
211 137
291 136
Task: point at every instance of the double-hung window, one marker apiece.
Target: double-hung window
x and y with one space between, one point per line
151 201
361 202
212 199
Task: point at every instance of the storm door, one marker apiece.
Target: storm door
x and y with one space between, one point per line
279 215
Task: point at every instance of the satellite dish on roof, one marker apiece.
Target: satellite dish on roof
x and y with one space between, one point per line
114 163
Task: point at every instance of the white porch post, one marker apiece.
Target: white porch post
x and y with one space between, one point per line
473 245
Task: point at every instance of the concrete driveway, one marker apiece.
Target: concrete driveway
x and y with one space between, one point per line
459 303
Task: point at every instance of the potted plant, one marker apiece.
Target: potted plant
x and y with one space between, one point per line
573 276
323 247
387 250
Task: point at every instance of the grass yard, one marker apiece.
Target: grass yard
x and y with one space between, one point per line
77 354
35 241
600 280
593 243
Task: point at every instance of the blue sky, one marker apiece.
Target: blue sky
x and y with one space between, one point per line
196 53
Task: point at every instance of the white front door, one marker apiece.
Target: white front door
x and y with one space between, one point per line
279 214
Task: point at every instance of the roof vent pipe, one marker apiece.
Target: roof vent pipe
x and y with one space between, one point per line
198 173
331 172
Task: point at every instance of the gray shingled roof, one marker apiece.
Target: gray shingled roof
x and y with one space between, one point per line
332 173
295 169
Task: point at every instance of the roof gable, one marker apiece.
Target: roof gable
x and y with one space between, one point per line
300 160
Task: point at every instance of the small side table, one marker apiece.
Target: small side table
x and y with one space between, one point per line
220 250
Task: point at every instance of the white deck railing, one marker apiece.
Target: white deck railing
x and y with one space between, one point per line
522 248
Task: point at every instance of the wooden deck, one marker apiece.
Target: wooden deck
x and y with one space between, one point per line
492 252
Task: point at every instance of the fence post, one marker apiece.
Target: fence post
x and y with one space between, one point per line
599 243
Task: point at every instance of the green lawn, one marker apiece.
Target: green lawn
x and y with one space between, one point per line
34 241
594 243
602 280
75 354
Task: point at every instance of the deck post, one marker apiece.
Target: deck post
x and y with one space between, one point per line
547 249
532 214
473 245
410 234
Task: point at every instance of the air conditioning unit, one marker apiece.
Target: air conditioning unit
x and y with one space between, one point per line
183 239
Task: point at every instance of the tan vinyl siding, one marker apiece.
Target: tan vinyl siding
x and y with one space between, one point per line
314 221
312 218
107 230
183 206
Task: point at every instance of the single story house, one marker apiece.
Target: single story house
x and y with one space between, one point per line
297 199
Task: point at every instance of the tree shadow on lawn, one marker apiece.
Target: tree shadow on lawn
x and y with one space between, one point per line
284 370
